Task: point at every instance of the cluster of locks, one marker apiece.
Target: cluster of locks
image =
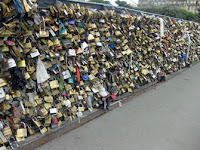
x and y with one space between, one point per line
60 61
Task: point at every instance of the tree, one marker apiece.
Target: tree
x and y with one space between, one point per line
198 15
123 4
171 11
100 1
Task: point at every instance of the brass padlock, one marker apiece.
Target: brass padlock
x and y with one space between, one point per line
30 130
7 132
21 64
47 120
54 84
43 130
43 112
22 132
81 107
59 114
36 122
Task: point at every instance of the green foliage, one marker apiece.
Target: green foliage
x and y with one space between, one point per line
163 10
171 11
198 15
100 1
123 4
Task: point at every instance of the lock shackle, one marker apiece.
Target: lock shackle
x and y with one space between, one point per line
30 4
23 124
81 88
80 104
53 104
11 138
44 24
41 127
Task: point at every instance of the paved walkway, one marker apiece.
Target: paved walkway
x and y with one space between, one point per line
164 119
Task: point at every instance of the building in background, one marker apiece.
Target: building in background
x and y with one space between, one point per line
190 5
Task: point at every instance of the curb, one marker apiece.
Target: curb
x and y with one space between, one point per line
37 140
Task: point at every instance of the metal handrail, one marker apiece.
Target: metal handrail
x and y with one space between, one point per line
101 6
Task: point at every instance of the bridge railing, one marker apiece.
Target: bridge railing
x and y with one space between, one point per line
100 6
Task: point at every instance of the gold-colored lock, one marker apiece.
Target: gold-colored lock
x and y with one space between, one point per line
132 85
5 48
87 89
55 28
59 123
7 132
21 64
72 92
48 99
81 83
55 92
118 33
79 51
27 76
28 45
31 131
22 132
72 100
43 130
73 109
36 122
47 105
47 120
39 101
28 104
50 43
59 114
81 108
43 33
80 30
56 42
64 33
90 58
16 94
92 50
91 37
54 84
43 112
107 65
130 90
2 82
91 77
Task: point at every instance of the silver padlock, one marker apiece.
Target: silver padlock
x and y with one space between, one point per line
12 142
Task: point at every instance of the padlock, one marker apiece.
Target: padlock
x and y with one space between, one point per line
2 138
31 130
43 33
36 122
43 129
13 144
7 132
43 112
22 132
59 114
71 99
53 110
55 121
3 148
81 107
47 120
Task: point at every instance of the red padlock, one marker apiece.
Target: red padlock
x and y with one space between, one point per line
10 43
55 121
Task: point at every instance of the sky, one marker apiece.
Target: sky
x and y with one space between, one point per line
128 1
